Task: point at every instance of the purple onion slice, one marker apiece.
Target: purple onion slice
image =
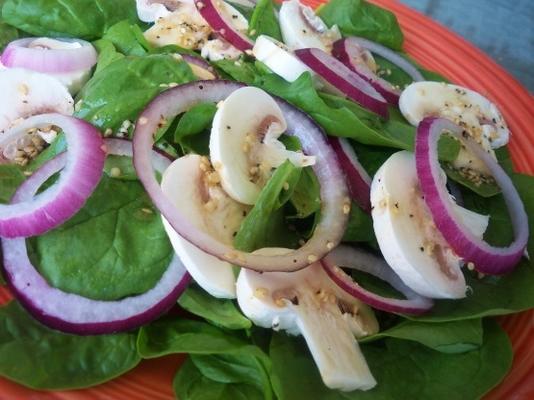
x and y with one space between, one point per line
344 80
358 179
222 26
20 54
77 314
83 169
349 257
334 192
486 258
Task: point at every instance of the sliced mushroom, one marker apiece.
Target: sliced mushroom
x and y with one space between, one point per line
307 302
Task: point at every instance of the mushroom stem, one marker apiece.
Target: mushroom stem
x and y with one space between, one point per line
331 342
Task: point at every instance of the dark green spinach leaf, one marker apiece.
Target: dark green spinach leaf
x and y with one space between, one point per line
11 176
41 358
242 369
7 34
264 21
85 19
172 336
446 337
121 90
360 18
403 370
127 38
306 197
190 384
265 224
220 312
196 120
359 227
114 247
107 54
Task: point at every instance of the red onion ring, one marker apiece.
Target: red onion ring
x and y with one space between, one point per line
84 166
349 257
348 51
349 54
334 192
18 54
358 179
73 313
344 80
487 259
220 24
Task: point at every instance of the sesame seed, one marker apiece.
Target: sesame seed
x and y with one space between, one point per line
115 172
312 258
143 121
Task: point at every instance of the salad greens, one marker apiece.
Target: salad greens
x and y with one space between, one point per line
84 19
404 369
448 337
264 21
43 358
220 312
121 247
360 18
124 87
116 245
265 226
127 38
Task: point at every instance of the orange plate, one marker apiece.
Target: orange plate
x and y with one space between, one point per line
435 48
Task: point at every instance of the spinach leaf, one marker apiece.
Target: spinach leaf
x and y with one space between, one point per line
121 90
114 247
395 75
489 296
86 19
220 312
403 369
264 21
360 18
306 196
446 337
41 358
216 356
196 120
11 176
239 70
120 167
359 227
7 34
265 226
243 369
484 189
171 336
127 38
107 54
372 157
190 384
